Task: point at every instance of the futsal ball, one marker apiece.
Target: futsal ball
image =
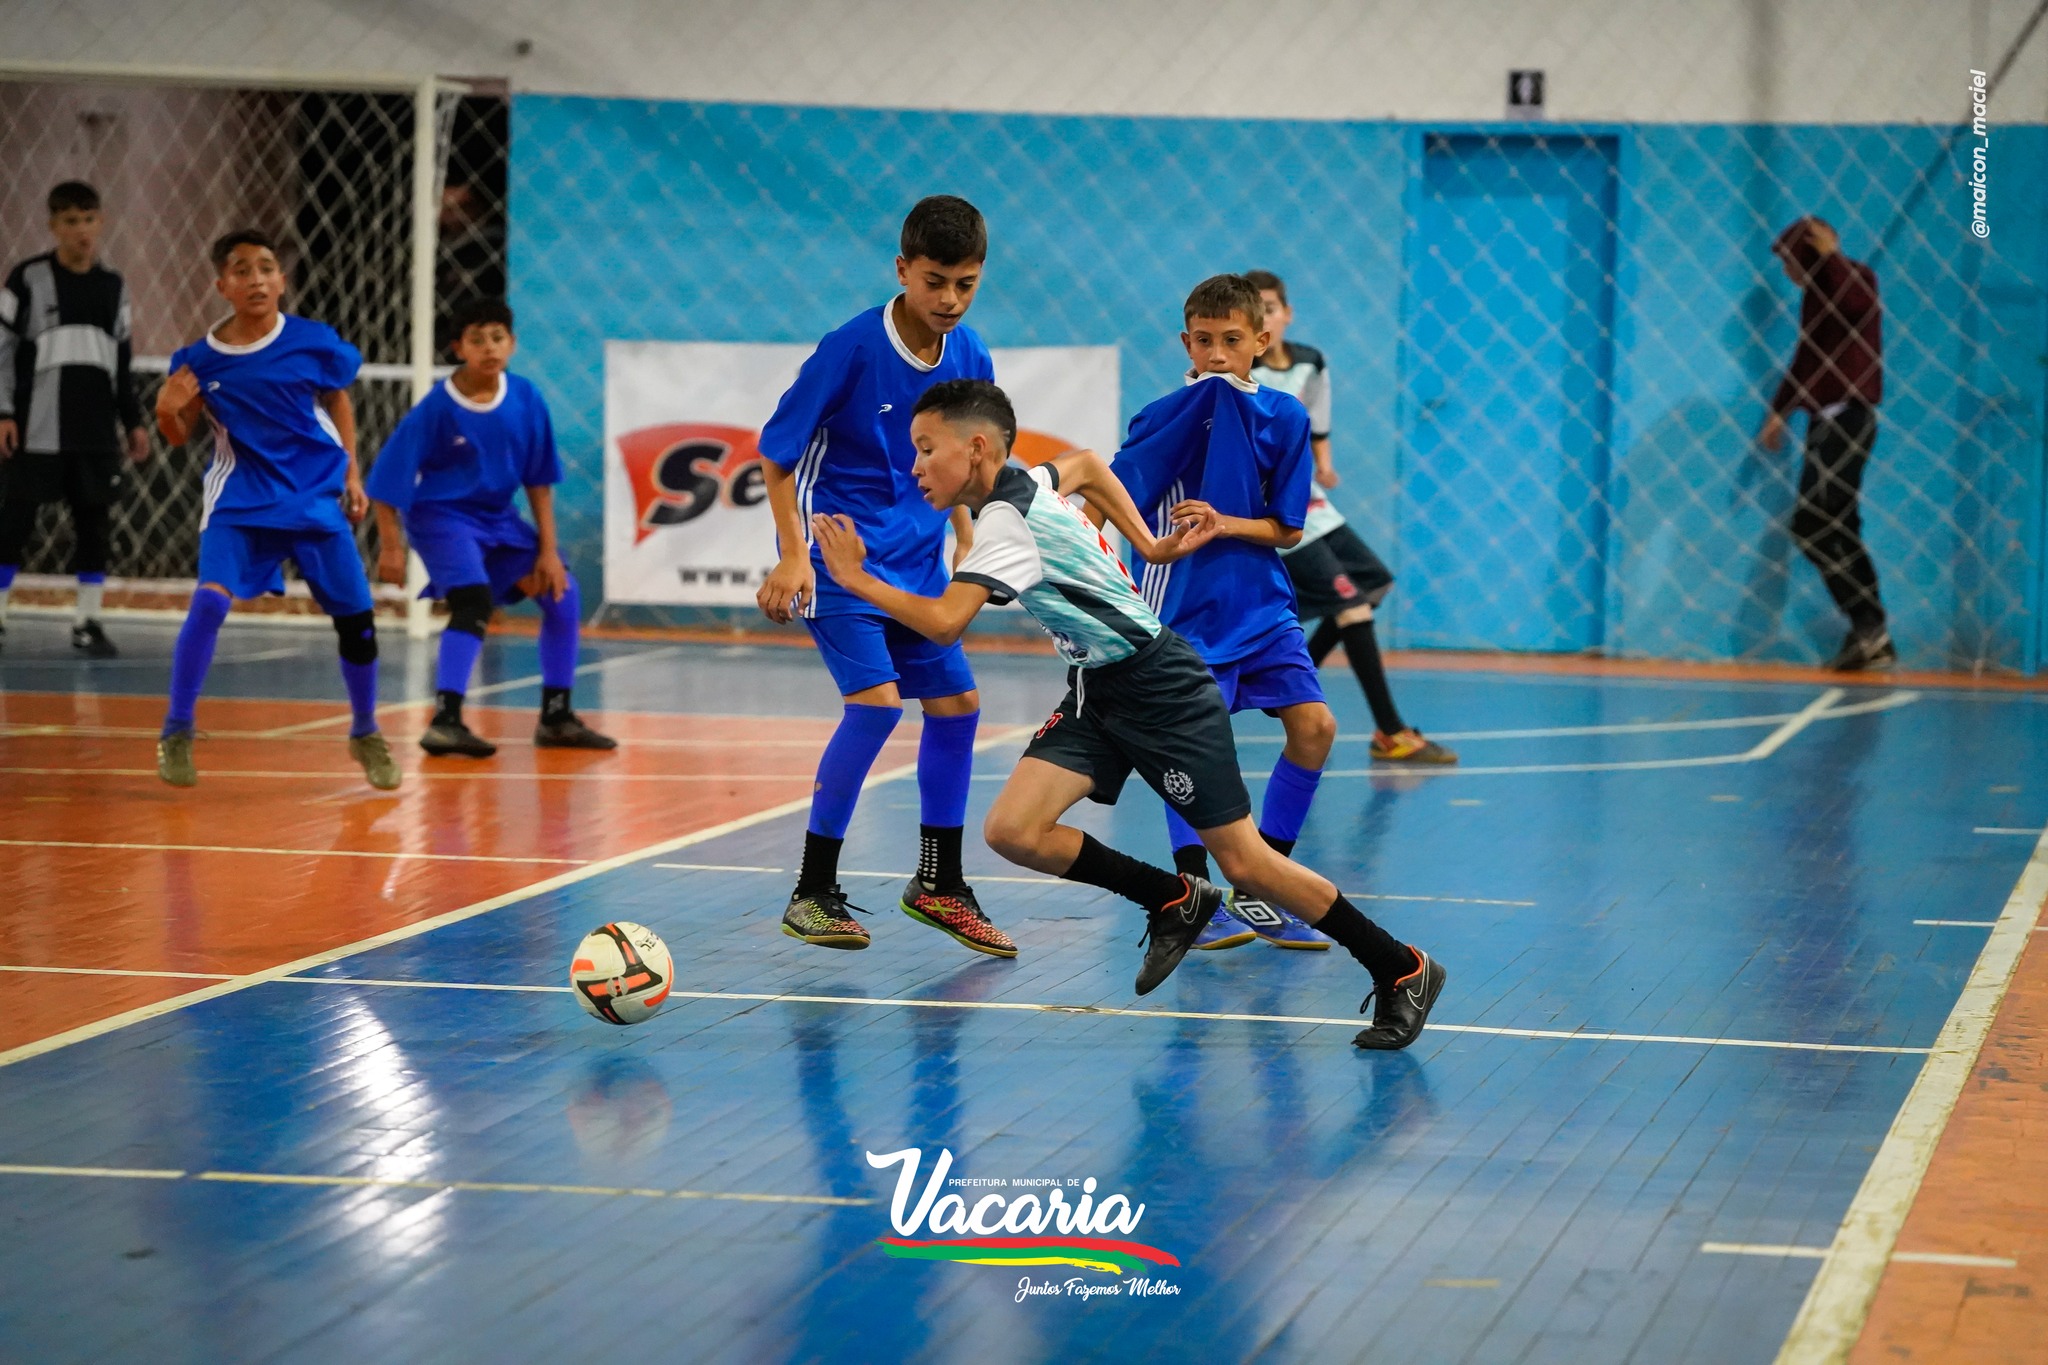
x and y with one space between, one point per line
621 972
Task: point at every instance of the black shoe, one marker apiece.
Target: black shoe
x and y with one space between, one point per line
446 737
567 731
1171 930
1403 1010
1865 647
88 636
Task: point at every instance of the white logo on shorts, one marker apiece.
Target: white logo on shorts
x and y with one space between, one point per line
1179 786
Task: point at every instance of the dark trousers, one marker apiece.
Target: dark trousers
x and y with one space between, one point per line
1826 525
88 483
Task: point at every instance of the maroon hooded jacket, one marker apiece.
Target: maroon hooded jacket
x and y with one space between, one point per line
1841 330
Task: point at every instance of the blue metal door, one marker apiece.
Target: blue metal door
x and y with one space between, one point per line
1506 359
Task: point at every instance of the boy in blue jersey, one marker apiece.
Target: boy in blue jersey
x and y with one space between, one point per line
1224 443
1138 698
839 443
450 471
282 485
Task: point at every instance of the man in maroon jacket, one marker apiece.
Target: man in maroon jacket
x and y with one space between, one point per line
1837 379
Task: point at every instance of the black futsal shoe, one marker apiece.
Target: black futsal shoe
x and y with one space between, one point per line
448 736
1172 929
89 639
566 730
1865 647
1403 1010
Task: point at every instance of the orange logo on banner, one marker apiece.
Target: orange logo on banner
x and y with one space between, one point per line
678 471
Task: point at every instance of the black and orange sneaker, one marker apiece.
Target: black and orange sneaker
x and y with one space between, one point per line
821 918
1172 929
958 914
1403 1010
1410 746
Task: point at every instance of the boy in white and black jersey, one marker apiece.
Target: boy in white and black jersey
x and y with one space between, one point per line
1139 698
68 409
1338 580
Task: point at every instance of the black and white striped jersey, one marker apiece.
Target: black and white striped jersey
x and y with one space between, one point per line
64 357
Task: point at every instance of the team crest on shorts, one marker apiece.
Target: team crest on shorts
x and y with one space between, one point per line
1346 589
1178 785
1050 721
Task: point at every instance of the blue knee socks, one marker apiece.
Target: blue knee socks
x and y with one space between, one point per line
862 732
1285 809
457 660
193 655
560 620
945 766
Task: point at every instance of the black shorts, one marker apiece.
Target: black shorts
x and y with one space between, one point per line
1159 712
1336 572
92 479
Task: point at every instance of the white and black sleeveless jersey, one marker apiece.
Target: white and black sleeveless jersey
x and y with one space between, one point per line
64 357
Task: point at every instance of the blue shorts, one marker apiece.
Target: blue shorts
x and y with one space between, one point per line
249 561
867 651
461 548
1279 674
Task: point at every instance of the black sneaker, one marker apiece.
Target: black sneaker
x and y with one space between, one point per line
1403 1010
88 636
1172 929
1865 648
446 737
821 918
567 731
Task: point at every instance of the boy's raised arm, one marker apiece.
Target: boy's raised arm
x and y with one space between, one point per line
940 619
1085 474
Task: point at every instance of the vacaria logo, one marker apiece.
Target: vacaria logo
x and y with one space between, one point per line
1053 1221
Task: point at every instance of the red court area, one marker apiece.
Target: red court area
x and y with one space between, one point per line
283 850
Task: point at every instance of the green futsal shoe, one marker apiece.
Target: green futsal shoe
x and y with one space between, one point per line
820 918
174 759
378 765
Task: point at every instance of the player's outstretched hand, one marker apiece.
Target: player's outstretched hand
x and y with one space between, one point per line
1195 524
550 576
355 503
789 586
839 542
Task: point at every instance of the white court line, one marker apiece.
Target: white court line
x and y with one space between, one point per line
1889 701
2000 829
1958 923
1032 1007
491 689
465 1186
1034 881
1822 1254
113 1023
288 852
120 971
99 665
422 775
1838 1302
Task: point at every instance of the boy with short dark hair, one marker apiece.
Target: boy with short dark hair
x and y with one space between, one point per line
449 471
282 484
66 397
1222 442
839 443
1338 580
1138 696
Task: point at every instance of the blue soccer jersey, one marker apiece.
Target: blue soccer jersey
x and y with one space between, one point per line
1244 450
277 459
468 456
844 430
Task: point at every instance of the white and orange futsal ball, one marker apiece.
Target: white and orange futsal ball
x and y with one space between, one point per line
621 972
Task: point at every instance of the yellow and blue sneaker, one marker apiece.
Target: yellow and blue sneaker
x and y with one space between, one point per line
1222 931
1275 925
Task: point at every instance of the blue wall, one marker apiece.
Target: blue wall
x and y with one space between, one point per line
634 219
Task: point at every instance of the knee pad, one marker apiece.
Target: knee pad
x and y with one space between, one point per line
469 609
358 637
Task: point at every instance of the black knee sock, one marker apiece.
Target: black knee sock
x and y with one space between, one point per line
1192 860
1097 864
1378 951
938 857
1323 641
820 871
1283 847
1362 647
450 712
554 703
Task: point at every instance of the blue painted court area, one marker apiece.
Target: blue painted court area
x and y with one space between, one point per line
1728 876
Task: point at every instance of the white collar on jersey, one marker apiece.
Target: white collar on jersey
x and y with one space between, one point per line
246 348
464 400
889 326
1244 385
